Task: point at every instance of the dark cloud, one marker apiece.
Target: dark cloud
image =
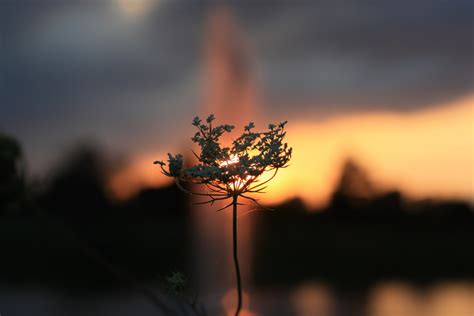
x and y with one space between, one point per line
372 55
74 68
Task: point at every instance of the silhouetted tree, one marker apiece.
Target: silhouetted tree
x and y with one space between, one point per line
354 189
165 203
12 170
389 203
356 194
78 185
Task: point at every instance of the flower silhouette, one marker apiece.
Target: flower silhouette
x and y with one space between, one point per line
231 173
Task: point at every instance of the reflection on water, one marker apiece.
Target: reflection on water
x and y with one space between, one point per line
451 299
389 299
394 299
45 302
313 299
308 299
444 299
229 303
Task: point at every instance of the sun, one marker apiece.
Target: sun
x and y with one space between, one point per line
233 159
238 183
135 8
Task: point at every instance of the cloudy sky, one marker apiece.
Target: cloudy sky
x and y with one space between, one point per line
123 71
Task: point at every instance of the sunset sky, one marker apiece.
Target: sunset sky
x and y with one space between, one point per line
389 84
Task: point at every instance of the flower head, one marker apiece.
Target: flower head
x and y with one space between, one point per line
229 172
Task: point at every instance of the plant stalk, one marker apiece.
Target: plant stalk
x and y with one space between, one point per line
236 259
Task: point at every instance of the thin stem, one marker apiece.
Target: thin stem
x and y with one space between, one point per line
236 259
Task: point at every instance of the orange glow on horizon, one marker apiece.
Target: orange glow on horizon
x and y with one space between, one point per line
139 173
427 153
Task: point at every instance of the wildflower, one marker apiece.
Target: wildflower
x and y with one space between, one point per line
231 173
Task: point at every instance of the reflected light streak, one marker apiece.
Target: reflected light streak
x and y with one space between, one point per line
229 303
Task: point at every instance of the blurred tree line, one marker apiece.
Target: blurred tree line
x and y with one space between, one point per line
381 233
65 229
13 187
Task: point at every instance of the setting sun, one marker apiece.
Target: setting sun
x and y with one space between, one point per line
238 183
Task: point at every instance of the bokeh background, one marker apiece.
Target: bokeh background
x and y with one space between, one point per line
373 217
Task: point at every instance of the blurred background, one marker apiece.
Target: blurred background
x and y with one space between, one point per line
373 217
